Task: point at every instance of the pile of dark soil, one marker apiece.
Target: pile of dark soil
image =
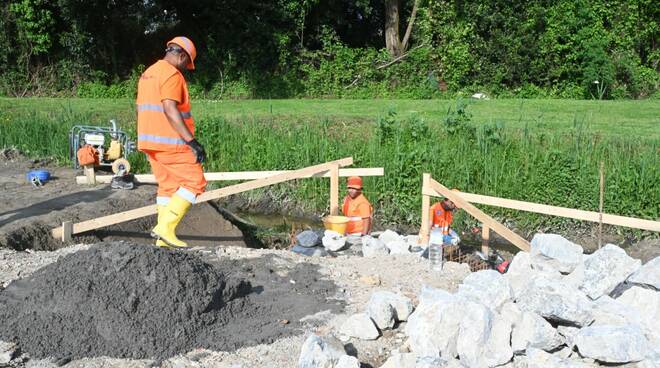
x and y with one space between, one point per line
131 301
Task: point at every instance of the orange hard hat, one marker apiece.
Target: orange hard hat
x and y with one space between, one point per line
188 46
354 182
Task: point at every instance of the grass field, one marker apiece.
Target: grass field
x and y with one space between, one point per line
545 151
623 118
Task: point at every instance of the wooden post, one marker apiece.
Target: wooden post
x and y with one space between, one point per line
600 206
485 239
89 174
67 231
426 207
334 190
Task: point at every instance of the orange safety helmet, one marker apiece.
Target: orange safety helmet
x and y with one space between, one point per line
189 46
354 182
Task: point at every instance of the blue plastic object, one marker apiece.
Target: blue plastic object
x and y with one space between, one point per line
42 175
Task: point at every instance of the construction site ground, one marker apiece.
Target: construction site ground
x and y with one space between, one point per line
326 290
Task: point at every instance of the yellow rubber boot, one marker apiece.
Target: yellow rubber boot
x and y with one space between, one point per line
161 211
168 221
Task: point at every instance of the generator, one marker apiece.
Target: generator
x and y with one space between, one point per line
111 145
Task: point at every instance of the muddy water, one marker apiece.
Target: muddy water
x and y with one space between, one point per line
278 222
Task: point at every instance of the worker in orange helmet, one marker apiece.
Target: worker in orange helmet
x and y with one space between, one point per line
441 216
166 134
357 208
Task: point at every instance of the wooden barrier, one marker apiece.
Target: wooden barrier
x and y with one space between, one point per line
430 189
117 218
242 175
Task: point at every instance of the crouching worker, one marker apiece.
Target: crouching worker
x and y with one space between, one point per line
357 208
441 216
166 134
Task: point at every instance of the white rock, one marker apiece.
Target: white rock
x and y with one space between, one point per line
613 344
389 236
608 311
537 358
534 331
7 352
398 247
568 333
429 295
401 305
605 269
430 362
433 328
405 360
649 274
347 361
556 251
645 304
307 239
180 361
413 241
360 326
318 352
310 252
333 241
480 96
373 247
521 273
555 301
487 287
511 313
483 338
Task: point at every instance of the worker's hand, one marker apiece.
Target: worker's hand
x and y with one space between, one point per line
447 239
198 150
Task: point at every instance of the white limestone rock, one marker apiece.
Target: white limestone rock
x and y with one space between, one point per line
607 267
648 274
613 344
483 339
320 352
555 301
400 308
347 361
556 251
360 326
487 287
534 331
333 241
373 247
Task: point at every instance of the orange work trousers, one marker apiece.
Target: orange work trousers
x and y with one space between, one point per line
174 170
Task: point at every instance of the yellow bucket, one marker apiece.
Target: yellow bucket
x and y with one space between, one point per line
336 223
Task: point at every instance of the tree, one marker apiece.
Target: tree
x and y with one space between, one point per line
393 42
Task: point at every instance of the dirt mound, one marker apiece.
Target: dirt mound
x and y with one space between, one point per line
125 300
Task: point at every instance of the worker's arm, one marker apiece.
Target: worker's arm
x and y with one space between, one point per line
366 226
176 121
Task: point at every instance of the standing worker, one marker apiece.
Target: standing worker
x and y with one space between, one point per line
166 134
441 217
357 208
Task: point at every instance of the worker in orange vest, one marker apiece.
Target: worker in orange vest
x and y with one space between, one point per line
441 216
357 208
166 134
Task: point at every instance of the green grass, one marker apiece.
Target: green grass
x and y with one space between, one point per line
543 152
623 118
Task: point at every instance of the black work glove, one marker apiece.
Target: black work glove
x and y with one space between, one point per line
198 150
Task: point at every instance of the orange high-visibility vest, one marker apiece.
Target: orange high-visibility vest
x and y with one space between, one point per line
358 207
159 82
441 218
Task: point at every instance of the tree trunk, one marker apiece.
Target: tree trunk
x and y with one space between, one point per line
392 40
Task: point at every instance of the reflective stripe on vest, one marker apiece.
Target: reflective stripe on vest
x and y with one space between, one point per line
159 139
159 108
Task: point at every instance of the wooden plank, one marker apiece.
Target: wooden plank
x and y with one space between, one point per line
558 211
244 175
507 234
485 240
117 218
67 231
90 176
426 207
334 190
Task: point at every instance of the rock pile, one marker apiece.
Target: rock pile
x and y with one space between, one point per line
556 307
312 244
